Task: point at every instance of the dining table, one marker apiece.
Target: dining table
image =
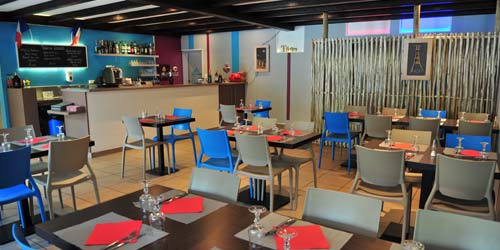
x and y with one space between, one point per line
159 124
251 109
218 229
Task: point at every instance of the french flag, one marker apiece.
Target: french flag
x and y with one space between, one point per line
21 28
75 34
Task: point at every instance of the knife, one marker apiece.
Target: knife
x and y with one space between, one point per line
117 242
286 223
175 197
123 243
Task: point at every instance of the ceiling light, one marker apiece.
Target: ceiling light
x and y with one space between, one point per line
175 21
147 7
146 17
255 2
77 7
19 4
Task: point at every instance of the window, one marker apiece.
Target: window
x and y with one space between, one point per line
368 28
427 25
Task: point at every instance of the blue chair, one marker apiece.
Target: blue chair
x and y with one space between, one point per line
215 146
15 169
472 142
337 130
172 138
265 104
21 241
427 113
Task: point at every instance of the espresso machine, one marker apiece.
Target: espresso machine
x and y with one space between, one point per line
111 77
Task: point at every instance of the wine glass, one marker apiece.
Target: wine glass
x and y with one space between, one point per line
292 129
260 129
246 122
256 230
462 116
261 106
419 112
146 199
459 147
5 143
242 104
287 234
483 151
439 114
144 114
415 145
29 136
157 217
388 140
236 122
60 134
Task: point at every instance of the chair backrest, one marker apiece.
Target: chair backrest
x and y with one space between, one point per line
214 184
133 128
472 142
431 125
228 113
214 143
304 126
267 123
184 113
464 179
347 212
475 128
377 125
358 109
337 122
265 104
380 167
441 230
391 111
68 156
476 116
17 133
18 235
428 113
408 136
15 167
253 150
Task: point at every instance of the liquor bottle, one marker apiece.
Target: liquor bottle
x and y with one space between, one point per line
220 78
16 81
216 77
123 49
96 48
132 51
117 48
136 48
150 49
209 78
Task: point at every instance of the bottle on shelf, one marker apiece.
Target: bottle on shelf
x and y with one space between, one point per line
216 77
10 84
209 78
220 78
96 48
16 81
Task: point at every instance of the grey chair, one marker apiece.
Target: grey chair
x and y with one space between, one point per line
376 126
228 114
380 175
67 160
135 132
463 187
408 136
438 230
476 116
475 128
259 165
392 111
426 124
267 123
214 184
343 211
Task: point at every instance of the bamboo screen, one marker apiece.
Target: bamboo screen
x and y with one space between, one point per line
366 71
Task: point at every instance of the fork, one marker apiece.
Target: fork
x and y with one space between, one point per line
129 237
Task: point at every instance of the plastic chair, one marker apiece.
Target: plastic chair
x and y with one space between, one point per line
438 230
215 147
376 126
463 187
475 128
428 113
476 116
343 211
431 125
15 169
380 175
228 114
267 123
66 162
214 184
408 136
18 235
259 165
135 132
265 104
392 111
337 130
472 142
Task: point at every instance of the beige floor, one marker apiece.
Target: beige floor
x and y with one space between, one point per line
108 168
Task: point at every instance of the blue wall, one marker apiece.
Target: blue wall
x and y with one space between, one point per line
61 35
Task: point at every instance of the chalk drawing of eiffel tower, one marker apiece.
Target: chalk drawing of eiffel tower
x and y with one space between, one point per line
417 67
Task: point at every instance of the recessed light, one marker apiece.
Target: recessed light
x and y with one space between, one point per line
147 17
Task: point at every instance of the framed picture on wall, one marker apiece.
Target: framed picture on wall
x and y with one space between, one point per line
261 62
417 59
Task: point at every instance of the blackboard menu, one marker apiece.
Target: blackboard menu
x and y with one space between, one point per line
51 56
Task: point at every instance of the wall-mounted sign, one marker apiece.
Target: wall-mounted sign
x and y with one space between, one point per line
291 41
417 59
261 54
51 56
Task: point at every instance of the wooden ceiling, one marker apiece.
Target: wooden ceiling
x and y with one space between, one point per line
180 17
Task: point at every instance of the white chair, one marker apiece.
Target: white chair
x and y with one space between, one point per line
66 162
425 124
343 211
475 128
476 116
438 230
394 111
228 114
376 126
135 132
463 187
214 184
408 136
267 123
380 175
259 165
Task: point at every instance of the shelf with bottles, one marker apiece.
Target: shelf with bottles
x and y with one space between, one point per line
127 55
149 75
148 72
124 48
143 63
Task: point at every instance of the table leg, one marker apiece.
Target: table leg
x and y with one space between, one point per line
311 151
161 157
426 187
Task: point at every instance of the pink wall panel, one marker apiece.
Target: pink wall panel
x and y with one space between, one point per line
169 50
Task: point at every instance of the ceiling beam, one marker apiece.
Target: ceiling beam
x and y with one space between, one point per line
94 11
212 21
123 25
2 2
51 5
130 15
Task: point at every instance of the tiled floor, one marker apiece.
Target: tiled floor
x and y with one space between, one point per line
108 169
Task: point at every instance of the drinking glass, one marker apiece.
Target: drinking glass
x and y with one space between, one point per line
144 114
439 114
260 105
5 143
246 122
236 122
419 112
378 111
287 234
256 230
415 145
292 129
462 116
388 140
395 113
146 200
260 129
29 136
242 104
60 134
483 151
156 217
459 147
412 245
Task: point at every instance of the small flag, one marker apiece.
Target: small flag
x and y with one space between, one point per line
75 34
21 28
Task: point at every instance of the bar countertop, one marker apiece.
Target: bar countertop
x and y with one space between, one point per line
163 86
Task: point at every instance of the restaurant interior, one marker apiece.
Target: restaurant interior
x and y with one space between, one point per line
249 124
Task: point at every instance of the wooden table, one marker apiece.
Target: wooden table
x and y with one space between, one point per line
217 229
159 124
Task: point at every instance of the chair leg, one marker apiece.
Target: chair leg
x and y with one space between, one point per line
73 197
291 191
279 183
349 146
194 148
21 214
40 205
271 195
154 157
297 172
173 157
333 151
311 153
123 161
320 153
60 198
143 163
49 201
150 158
262 190
96 190
32 212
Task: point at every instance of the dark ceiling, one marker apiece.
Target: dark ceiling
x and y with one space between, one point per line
179 17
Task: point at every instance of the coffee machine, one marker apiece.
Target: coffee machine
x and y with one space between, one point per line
111 76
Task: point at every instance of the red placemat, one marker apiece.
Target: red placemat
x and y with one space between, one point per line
172 117
183 206
287 132
231 132
476 121
240 108
468 152
35 140
402 145
308 237
45 146
147 120
355 114
252 128
274 137
107 233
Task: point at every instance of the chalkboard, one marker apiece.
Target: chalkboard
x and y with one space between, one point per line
51 56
